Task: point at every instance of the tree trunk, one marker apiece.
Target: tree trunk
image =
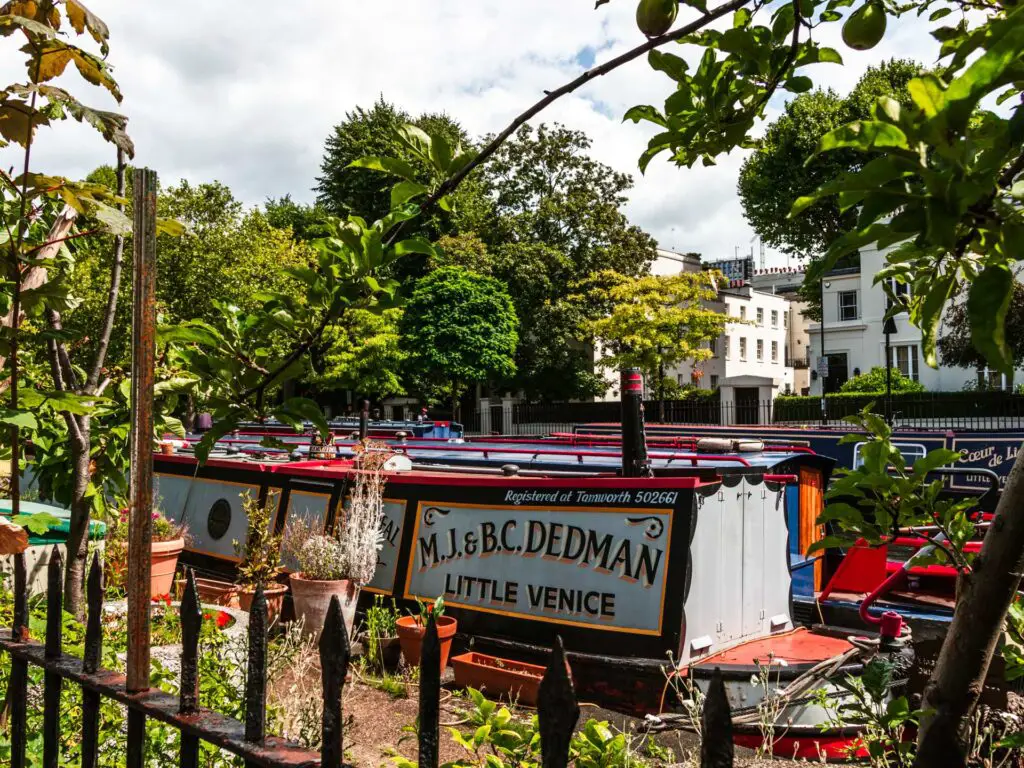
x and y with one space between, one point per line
953 690
78 533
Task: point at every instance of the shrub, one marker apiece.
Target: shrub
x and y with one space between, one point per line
874 381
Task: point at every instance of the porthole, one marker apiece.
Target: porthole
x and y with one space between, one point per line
219 519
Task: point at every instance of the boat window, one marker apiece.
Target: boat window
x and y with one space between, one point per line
911 452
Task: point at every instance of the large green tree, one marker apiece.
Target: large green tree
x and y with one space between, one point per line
558 219
343 190
225 254
786 166
459 328
361 353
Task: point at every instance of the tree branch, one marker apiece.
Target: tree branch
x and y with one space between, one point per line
449 185
296 353
115 286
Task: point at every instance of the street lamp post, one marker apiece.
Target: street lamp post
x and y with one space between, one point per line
821 375
889 329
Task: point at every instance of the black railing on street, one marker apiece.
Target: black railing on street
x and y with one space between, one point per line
557 708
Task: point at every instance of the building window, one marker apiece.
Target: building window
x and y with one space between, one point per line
900 290
743 313
760 349
714 381
713 346
679 379
988 379
904 359
743 347
775 318
760 316
785 319
725 346
847 305
775 351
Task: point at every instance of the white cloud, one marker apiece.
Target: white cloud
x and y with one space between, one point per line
245 91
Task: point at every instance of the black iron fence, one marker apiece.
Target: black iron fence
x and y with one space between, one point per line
557 707
924 410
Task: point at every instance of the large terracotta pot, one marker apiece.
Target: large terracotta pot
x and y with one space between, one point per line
410 634
163 560
274 594
312 598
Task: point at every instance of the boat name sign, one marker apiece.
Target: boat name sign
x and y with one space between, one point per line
537 558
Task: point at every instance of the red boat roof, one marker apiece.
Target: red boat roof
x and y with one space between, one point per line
799 646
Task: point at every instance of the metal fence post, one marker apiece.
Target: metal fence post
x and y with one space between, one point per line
557 710
140 524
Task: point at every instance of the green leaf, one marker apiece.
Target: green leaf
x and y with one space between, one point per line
307 409
415 245
221 427
404 191
987 304
18 418
928 94
863 135
799 84
38 523
985 72
829 56
390 165
935 459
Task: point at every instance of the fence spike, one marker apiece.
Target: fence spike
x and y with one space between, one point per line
91 663
430 695
256 672
557 709
334 657
19 667
716 749
93 628
191 622
52 650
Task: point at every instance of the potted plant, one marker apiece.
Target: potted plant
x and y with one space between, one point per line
412 628
383 650
166 544
260 561
339 562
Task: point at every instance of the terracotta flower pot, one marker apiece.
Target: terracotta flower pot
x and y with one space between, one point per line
312 598
410 633
217 592
274 594
163 559
516 680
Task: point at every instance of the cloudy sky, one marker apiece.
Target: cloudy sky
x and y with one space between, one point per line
245 91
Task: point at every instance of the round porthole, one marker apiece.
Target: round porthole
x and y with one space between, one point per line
219 519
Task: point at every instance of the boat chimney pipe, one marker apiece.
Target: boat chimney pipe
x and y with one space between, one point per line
634 448
364 420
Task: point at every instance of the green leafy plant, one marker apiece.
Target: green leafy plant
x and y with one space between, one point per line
884 495
886 720
261 554
427 609
38 523
381 624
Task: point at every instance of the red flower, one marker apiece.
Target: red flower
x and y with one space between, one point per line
223 620
207 616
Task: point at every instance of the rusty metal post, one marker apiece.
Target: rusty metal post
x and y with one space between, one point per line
140 525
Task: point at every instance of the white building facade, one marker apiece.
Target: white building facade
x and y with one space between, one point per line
854 341
749 360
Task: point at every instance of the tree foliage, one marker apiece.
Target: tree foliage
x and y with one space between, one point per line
361 353
786 166
459 328
956 347
345 188
653 322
